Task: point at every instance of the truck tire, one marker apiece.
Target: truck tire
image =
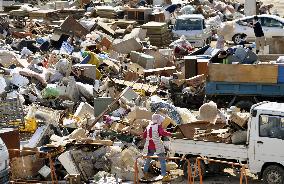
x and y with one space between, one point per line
273 174
237 39
244 105
192 166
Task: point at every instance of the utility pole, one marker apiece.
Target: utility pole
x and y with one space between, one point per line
250 7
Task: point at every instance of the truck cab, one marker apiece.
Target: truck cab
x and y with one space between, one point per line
193 27
266 141
263 152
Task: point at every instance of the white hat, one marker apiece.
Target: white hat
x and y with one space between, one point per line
157 118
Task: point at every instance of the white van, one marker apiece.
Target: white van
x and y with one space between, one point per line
193 27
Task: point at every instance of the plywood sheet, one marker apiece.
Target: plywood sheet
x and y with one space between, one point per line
243 73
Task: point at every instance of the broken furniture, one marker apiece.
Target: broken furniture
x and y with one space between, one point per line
141 15
158 33
106 12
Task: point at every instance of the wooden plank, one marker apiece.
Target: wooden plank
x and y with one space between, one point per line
243 73
137 86
166 71
72 25
95 142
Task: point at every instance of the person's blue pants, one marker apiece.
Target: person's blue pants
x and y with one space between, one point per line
162 162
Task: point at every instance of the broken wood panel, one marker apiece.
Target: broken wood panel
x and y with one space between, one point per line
137 86
188 130
166 71
72 25
26 167
243 73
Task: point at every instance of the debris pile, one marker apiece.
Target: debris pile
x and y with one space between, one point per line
80 81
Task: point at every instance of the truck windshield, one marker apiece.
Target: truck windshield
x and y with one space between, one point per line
188 24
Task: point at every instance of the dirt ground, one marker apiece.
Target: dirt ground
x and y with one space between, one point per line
227 177
278 5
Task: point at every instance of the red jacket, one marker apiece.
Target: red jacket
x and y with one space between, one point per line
161 131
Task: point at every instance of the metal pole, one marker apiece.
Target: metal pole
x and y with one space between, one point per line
189 180
199 171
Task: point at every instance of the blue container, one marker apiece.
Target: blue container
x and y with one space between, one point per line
280 74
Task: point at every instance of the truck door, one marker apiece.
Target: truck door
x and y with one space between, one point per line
270 142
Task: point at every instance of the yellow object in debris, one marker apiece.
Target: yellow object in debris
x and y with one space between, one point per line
167 122
141 92
98 74
94 60
30 125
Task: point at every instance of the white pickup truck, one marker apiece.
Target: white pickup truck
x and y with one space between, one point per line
263 151
4 163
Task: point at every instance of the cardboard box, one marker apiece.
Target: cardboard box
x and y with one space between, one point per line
140 113
240 118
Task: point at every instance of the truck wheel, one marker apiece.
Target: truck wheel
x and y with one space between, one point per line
273 174
192 166
244 105
237 39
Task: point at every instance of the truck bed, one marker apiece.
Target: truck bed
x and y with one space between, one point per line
230 88
210 149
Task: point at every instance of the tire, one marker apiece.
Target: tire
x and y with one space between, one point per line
244 105
192 165
237 39
273 174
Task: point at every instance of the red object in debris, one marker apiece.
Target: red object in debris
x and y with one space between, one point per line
45 63
21 34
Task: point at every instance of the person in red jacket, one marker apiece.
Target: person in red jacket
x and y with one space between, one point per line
154 144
